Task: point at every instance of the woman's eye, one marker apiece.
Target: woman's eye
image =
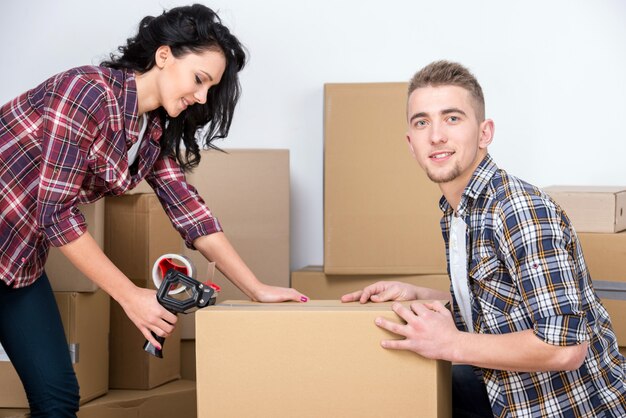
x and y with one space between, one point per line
198 81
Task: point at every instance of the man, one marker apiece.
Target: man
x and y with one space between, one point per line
524 312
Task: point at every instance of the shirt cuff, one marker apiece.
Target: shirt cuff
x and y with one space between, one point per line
208 227
66 230
563 330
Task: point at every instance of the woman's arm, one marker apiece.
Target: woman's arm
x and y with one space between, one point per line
216 247
140 304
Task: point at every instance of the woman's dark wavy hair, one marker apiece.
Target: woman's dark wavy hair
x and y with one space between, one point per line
188 29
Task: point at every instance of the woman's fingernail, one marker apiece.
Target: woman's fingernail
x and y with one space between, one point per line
304 299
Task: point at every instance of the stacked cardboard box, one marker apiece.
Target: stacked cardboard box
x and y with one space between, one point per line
175 399
81 305
597 214
137 232
88 344
381 213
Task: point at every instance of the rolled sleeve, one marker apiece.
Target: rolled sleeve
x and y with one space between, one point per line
67 229
186 209
562 330
538 238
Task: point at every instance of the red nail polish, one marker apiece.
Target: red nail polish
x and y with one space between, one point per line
304 299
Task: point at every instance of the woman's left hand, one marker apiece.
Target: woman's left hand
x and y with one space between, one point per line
266 293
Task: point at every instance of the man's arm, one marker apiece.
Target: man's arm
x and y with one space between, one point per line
430 332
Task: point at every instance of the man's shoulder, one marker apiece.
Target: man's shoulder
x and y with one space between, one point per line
512 195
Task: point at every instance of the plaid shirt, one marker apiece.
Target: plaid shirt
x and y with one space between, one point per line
526 271
65 143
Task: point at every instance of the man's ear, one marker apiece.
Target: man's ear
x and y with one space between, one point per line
408 141
161 55
487 130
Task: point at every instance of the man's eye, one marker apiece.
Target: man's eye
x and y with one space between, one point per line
454 119
420 123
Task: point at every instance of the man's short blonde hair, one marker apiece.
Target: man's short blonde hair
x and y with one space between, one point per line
446 73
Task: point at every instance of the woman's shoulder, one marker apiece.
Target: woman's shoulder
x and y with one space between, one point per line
93 75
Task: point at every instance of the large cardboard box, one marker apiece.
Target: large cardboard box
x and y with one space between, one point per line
130 366
313 282
63 276
605 255
138 232
251 202
381 212
248 191
314 359
592 208
176 399
85 319
617 312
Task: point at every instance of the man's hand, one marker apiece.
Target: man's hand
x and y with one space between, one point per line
383 292
429 330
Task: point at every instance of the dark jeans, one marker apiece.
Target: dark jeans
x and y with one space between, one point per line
469 395
32 334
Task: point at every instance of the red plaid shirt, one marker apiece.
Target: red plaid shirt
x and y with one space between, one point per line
64 143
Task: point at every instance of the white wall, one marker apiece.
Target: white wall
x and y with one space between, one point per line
552 72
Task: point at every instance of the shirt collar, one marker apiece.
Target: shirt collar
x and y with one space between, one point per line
477 184
131 111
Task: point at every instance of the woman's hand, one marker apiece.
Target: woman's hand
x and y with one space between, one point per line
382 292
147 314
266 293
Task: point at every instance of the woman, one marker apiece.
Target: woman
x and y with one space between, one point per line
96 131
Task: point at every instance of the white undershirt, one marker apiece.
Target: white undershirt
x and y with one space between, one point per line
134 149
458 269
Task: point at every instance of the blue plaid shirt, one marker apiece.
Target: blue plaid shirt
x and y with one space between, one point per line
526 271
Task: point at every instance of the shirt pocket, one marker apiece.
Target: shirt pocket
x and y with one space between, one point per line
497 295
110 174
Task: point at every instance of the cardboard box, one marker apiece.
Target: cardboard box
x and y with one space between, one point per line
14 413
313 282
88 344
381 212
130 366
617 312
592 208
605 255
176 399
63 276
138 232
188 359
251 202
317 359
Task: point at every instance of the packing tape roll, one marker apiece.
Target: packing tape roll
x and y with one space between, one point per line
176 261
